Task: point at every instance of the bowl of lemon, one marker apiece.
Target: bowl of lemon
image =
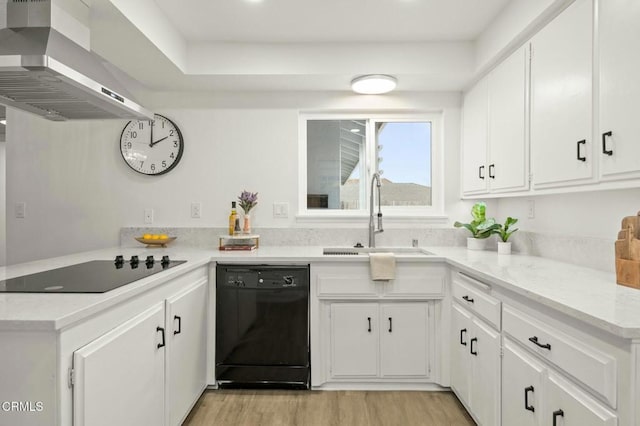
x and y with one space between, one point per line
155 240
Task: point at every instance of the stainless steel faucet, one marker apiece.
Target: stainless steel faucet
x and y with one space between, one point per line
372 230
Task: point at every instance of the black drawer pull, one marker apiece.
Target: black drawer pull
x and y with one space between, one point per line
179 330
604 143
160 329
534 340
467 298
471 347
491 168
480 172
526 399
369 319
556 414
462 342
390 325
582 142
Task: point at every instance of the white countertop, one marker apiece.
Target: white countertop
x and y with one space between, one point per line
586 294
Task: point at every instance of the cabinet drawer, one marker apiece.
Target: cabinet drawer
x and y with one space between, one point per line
417 281
346 280
587 364
476 300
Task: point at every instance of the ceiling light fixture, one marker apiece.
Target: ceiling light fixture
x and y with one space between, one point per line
373 84
3 122
355 130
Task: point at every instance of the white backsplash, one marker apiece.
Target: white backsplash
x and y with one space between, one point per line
589 252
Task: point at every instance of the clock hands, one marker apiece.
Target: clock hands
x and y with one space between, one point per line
151 135
159 140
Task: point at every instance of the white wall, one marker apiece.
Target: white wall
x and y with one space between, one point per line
79 191
3 205
588 214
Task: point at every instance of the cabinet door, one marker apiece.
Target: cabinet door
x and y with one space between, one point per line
619 34
572 407
460 356
561 112
354 339
186 350
485 377
508 160
474 140
404 339
119 377
522 379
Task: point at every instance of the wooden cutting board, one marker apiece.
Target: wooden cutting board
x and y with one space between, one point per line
627 248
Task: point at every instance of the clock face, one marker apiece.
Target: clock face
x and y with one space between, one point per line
151 147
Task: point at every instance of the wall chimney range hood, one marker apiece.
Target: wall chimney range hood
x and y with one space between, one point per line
46 73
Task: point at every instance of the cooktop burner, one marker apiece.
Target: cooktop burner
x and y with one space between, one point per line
97 276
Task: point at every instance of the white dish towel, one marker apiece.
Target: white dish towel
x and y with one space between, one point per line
383 266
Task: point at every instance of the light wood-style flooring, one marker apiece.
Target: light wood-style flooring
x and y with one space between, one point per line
311 408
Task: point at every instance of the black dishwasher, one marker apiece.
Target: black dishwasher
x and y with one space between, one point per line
262 326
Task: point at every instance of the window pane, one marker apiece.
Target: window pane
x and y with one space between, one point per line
404 158
335 149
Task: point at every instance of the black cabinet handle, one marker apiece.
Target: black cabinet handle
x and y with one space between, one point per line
604 143
175 317
390 325
160 329
534 340
369 329
526 399
480 170
491 167
582 142
471 347
556 414
467 298
462 342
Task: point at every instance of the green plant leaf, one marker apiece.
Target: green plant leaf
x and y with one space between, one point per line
478 212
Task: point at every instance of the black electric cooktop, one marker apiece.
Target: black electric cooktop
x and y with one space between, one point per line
98 276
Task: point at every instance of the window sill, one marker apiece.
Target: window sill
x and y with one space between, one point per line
363 219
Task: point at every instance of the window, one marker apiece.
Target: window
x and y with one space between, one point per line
341 154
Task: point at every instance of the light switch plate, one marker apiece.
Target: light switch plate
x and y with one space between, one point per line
531 209
281 210
21 210
148 216
196 210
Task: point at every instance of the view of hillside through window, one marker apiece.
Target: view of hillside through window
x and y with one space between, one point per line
336 150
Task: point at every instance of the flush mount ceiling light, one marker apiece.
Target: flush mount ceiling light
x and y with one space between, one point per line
373 84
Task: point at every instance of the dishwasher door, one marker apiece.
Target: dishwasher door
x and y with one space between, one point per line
262 326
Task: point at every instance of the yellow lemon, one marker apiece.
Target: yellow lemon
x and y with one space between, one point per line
164 237
155 237
147 236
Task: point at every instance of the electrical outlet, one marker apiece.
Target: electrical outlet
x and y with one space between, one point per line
20 210
281 210
196 210
148 216
531 209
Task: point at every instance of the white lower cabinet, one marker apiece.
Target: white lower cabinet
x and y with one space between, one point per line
522 378
475 365
119 377
149 370
371 340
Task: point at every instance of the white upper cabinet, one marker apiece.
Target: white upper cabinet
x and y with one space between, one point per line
474 140
619 42
561 97
508 167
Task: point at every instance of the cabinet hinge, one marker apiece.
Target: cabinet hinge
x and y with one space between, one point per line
530 177
501 352
72 377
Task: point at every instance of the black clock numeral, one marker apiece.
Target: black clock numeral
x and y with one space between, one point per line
153 167
141 163
134 134
163 124
141 125
164 163
129 145
173 155
175 144
171 132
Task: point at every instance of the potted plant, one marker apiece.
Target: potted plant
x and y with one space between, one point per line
248 201
504 232
480 227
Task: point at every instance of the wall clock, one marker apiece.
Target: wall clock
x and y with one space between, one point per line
151 147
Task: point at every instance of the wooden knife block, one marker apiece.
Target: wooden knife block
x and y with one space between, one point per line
627 249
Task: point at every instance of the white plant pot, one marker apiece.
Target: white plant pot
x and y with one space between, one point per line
476 243
504 248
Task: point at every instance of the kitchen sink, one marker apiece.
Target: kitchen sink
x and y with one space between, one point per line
355 251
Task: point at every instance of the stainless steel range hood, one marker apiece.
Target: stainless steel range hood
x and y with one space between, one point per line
44 72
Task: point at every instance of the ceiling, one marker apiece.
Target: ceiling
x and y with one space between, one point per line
290 45
295 21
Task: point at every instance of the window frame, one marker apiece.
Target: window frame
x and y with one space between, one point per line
433 213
